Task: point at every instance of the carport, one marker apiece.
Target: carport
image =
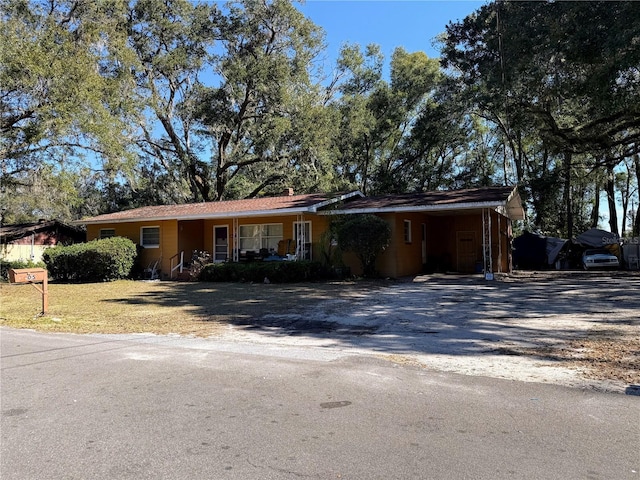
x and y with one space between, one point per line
466 231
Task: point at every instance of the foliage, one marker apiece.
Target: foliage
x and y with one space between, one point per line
96 261
199 259
380 121
264 118
259 272
61 90
559 80
5 265
111 105
366 236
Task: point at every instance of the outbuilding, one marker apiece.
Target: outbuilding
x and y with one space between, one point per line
28 241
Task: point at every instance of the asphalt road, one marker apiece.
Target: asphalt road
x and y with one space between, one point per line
141 407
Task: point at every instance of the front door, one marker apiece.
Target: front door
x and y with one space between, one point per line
221 244
467 251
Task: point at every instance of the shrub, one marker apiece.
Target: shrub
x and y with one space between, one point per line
366 236
5 265
275 272
199 259
96 261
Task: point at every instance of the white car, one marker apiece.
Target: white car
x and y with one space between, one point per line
599 258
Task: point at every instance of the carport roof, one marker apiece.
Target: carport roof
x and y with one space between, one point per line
505 200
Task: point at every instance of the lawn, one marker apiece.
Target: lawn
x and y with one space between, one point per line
200 309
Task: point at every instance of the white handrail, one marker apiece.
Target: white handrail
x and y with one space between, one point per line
178 266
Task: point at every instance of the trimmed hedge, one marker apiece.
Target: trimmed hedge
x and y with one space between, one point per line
5 265
256 272
96 261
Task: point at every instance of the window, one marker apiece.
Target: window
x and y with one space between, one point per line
407 231
150 237
254 237
107 233
271 235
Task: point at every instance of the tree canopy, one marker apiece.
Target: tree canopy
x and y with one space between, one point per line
114 104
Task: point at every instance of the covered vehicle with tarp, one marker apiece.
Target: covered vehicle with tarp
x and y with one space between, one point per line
532 251
596 238
529 251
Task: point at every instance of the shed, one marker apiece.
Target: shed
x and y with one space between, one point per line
28 241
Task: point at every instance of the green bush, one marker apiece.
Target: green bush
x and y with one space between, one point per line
366 236
5 265
275 272
96 261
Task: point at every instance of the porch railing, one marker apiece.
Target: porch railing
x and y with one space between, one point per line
177 264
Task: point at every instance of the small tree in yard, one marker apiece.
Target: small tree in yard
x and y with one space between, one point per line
366 236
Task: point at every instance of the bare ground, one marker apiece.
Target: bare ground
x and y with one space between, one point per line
610 348
571 328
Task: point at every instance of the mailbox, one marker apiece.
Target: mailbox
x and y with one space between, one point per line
32 276
27 275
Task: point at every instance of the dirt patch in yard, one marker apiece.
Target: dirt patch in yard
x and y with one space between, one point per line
610 349
599 356
570 328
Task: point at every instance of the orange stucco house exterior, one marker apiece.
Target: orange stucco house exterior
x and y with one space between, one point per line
463 231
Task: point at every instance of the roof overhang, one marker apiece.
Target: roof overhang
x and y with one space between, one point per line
206 216
314 208
511 208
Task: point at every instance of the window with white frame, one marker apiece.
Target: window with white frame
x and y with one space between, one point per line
150 237
107 233
407 231
255 237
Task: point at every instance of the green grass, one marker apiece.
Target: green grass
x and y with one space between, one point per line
200 309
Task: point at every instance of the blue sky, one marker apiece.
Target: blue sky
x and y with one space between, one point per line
412 24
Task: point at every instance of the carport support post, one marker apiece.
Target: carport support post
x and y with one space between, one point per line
499 244
486 244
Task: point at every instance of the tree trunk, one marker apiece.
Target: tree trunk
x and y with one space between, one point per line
635 230
611 199
595 213
568 197
626 194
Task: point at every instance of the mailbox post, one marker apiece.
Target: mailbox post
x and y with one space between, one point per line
33 276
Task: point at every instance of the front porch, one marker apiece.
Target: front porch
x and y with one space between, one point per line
233 240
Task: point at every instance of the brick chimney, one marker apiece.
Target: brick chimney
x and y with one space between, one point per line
287 192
